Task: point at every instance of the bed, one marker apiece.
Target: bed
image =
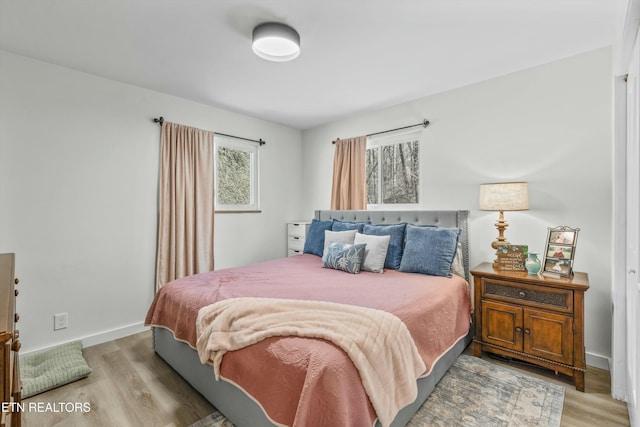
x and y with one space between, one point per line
310 381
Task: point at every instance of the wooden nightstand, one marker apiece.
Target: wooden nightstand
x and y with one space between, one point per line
539 320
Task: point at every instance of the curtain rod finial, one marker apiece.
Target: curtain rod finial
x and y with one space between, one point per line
158 120
425 123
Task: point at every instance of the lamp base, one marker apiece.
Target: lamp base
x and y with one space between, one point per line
501 225
499 242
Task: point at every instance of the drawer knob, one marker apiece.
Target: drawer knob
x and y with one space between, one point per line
16 281
16 317
527 331
17 292
522 294
518 329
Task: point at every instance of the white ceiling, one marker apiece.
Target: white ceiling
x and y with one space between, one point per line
357 55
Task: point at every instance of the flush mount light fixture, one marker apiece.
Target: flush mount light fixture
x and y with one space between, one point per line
276 42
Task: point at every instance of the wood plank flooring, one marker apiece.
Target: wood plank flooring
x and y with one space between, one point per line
131 386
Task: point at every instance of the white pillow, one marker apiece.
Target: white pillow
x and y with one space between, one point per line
337 237
375 251
457 267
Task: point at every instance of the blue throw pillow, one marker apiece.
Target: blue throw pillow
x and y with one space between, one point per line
344 256
346 226
396 242
429 250
314 243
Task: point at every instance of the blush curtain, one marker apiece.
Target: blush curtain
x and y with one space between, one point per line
186 203
349 190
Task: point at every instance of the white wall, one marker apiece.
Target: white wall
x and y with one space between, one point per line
78 196
78 181
549 125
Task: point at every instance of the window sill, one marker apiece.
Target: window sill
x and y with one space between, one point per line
237 212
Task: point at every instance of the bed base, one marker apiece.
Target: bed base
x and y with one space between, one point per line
239 407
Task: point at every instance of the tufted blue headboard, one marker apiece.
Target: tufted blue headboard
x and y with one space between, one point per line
458 219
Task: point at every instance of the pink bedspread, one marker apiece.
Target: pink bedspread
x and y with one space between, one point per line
302 381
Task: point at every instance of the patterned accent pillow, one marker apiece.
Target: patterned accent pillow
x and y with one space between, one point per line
345 257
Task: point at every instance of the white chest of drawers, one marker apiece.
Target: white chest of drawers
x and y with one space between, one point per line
296 235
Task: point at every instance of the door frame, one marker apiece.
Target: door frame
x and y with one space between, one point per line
619 265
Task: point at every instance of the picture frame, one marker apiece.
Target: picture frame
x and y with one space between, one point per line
560 251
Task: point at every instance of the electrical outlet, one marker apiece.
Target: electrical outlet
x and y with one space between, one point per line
60 321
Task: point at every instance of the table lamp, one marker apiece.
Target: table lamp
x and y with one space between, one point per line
503 196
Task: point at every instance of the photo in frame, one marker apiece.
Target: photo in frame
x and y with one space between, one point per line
560 251
559 267
562 237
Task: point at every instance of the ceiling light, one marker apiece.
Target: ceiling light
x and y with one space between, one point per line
276 42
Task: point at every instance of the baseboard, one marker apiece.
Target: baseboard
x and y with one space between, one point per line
102 337
114 334
598 361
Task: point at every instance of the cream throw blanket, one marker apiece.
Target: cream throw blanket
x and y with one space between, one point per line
378 343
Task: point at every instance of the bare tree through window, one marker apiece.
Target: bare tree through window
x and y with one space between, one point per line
236 178
372 175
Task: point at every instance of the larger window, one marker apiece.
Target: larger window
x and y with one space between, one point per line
236 175
393 169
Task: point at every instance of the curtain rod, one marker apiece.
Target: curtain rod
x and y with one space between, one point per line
160 120
424 123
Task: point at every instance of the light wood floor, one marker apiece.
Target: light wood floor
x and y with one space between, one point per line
131 386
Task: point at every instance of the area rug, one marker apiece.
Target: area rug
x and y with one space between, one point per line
51 368
477 393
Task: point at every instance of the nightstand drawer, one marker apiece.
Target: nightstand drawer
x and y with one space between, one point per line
531 295
296 243
297 229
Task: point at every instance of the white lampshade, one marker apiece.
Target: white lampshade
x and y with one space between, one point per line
504 196
276 42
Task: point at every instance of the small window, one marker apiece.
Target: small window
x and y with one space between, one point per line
236 175
393 170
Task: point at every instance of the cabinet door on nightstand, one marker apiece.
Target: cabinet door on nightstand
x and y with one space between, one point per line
548 335
502 325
